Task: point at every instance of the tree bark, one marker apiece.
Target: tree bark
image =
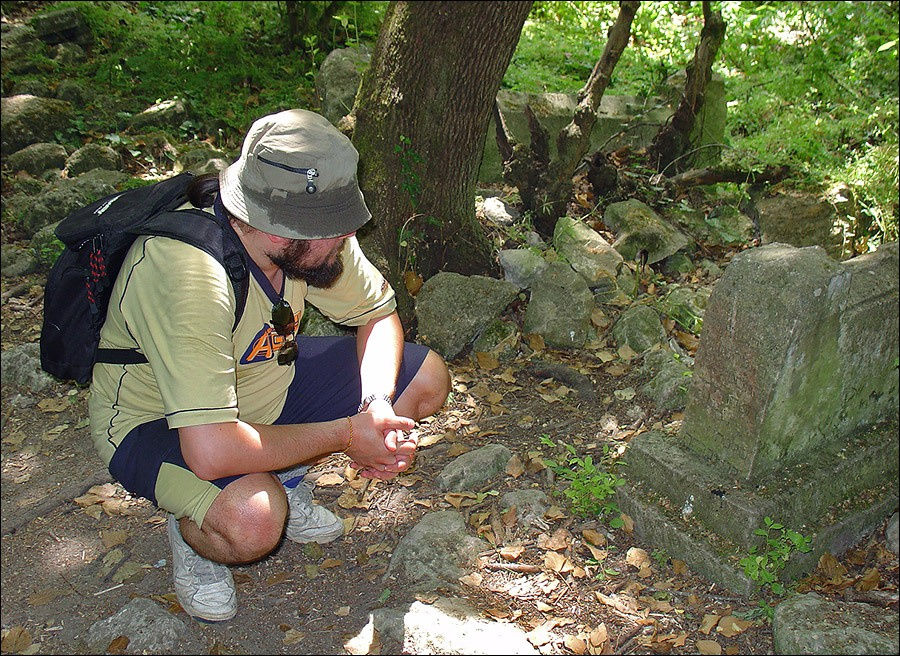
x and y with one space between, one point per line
545 186
672 142
420 121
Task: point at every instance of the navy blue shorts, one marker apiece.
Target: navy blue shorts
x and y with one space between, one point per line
326 386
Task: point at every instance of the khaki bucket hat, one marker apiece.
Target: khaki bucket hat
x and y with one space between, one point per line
295 178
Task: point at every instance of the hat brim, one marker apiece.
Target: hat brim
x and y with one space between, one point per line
332 213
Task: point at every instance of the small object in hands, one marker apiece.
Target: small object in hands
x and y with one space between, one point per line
284 324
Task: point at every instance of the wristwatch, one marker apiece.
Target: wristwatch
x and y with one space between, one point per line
366 401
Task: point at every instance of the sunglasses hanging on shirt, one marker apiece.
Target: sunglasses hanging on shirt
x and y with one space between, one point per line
284 324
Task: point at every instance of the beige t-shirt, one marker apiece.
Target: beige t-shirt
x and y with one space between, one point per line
175 303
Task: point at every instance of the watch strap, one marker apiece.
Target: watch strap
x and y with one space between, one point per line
366 401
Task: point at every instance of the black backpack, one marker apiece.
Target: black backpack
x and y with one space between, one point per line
96 238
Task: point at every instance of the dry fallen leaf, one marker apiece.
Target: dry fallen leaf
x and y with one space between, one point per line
558 541
710 647
637 558
575 644
731 626
457 450
594 537
487 361
512 552
118 645
16 640
329 479
514 467
413 282
679 567
708 622
343 611
869 581
473 579
557 562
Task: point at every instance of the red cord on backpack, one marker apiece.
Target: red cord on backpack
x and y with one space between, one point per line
98 270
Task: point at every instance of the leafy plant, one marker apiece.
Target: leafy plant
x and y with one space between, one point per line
764 565
589 487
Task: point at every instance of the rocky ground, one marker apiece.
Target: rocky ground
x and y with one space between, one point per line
77 548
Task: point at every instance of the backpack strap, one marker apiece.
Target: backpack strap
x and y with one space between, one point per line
210 234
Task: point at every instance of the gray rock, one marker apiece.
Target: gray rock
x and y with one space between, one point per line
560 307
799 219
589 254
16 261
798 353
677 263
166 114
809 624
499 337
497 211
315 324
453 309
638 227
200 159
521 266
93 156
670 379
27 120
21 366
686 307
63 196
37 158
711 269
434 551
530 505
149 627
72 92
62 25
473 469
67 55
891 536
338 80
448 626
639 327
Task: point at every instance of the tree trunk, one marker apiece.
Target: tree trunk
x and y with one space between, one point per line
420 122
673 142
545 186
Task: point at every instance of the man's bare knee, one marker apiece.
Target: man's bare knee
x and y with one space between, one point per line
427 391
249 519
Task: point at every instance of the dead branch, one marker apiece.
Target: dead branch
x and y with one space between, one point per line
697 177
505 139
513 567
673 139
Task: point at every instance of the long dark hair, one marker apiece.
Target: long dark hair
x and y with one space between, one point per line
203 189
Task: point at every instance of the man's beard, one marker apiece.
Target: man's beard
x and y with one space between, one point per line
290 262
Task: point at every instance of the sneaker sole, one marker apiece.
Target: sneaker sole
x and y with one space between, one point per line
208 618
322 539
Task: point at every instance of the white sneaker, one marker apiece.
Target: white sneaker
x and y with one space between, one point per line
205 589
307 522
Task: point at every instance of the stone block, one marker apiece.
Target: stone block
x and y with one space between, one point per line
798 351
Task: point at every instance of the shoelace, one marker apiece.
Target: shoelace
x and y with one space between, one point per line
203 569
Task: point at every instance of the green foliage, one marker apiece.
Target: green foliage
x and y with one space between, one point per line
47 250
230 61
764 565
589 488
811 85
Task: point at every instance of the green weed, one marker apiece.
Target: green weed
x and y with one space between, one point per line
589 487
764 565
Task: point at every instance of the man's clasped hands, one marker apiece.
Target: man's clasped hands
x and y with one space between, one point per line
383 444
